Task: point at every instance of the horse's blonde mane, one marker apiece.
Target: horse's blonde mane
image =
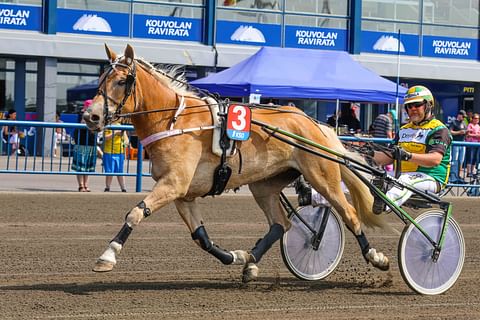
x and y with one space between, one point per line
170 76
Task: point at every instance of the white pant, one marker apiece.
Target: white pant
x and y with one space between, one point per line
319 200
419 180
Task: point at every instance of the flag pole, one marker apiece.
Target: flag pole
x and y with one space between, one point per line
397 107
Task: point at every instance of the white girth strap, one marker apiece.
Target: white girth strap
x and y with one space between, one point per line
169 133
180 109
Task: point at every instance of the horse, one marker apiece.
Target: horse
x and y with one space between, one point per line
175 124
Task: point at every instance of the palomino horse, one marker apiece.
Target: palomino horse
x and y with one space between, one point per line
183 163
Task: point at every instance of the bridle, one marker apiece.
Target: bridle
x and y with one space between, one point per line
130 87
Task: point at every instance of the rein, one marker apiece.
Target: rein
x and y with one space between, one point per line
130 87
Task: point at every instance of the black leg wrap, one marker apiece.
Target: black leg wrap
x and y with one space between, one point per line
363 242
276 232
122 236
221 254
146 211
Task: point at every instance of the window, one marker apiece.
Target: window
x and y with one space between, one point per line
168 10
255 11
403 10
322 7
73 74
95 5
7 85
454 32
315 21
455 13
25 2
405 28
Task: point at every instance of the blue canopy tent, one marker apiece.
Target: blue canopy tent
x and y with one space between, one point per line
304 74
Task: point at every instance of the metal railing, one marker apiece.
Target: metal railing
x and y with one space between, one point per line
34 147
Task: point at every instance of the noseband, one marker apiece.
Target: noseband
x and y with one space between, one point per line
130 86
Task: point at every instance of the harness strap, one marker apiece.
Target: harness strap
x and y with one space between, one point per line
170 133
181 107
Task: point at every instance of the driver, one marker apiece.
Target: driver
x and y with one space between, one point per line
424 150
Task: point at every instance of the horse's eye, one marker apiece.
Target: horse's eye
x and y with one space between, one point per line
121 82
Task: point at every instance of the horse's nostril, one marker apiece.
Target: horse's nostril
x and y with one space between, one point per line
94 117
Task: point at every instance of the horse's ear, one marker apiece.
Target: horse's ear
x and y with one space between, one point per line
129 54
110 54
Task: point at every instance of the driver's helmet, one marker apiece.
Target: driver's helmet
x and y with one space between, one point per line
418 94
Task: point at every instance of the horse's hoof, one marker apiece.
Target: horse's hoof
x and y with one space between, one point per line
250 272
378 259
241 257
103 266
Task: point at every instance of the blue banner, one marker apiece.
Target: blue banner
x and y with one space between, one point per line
315 38
446 47
93 22
255 34
20 17
387 43
170 28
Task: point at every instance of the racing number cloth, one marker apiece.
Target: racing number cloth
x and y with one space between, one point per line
428 136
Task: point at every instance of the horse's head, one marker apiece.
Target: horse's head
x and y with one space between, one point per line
116 91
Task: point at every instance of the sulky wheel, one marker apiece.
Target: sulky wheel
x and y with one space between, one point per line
299 254
415 254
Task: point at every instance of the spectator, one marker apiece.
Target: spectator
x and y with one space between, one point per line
10 134
84 152
473 135
458 129
383 125
115 142
60 134
469 117
348 117
332 120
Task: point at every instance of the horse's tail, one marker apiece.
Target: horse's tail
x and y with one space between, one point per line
362 199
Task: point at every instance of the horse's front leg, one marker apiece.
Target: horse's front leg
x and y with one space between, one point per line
193 219
161 195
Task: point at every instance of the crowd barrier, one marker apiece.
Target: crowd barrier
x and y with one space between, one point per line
44 152
41 150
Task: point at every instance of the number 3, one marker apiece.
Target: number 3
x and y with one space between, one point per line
241 122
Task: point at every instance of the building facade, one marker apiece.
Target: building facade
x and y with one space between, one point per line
52 46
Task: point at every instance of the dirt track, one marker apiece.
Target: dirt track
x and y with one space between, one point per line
49 242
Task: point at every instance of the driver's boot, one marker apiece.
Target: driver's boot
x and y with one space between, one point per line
378 203
304 192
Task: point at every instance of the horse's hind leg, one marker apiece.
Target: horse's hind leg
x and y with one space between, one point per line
267 194
193 219
328 184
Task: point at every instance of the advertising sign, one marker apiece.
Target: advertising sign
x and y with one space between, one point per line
20 17
169 28
256 34
388 43
445 47
93 22
315 38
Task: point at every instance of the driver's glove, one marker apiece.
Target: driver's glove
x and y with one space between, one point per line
402 154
